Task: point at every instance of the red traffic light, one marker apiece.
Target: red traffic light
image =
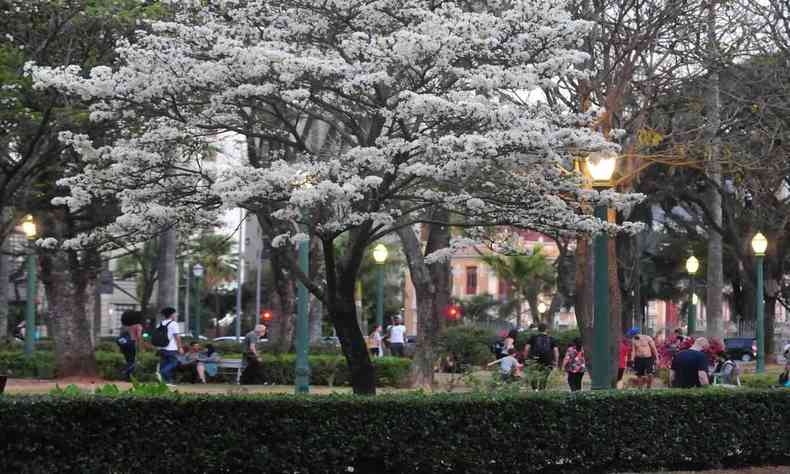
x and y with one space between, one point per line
453 312
266 315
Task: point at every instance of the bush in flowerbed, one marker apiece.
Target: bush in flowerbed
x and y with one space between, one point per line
277 369
332 370
548 433
469 346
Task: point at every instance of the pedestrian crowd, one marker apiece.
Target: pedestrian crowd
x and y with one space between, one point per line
691 362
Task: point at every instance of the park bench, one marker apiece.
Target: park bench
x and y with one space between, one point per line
231 367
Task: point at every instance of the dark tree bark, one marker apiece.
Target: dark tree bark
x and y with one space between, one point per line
166 293
67 276
432 292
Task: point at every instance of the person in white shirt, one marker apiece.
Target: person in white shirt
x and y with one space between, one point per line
169 354
397 337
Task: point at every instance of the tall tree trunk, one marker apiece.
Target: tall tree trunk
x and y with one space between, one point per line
432 292
583 304
168 283
5 261
283 303
316 320
771 294
66 280
715 264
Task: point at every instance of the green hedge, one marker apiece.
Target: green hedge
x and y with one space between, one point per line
278 369
556 433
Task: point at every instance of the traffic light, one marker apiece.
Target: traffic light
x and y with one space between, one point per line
453 312
266 315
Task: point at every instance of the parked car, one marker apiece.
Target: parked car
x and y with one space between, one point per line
741 348
237 339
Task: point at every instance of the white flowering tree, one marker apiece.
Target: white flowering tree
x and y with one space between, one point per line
362 118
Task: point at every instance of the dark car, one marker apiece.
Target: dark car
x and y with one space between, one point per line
741 348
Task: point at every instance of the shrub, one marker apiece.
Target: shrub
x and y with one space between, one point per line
468 345
557 433
278 369
760 380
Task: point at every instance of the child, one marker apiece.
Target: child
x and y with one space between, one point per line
509 366
726 370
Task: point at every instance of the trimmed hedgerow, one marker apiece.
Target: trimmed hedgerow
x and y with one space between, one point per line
588 432
277 369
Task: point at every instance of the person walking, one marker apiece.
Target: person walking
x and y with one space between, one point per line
252 366
375 342
625 356
574 364
397 337
129 340
509 366
543 351
690 366
167 339
644 356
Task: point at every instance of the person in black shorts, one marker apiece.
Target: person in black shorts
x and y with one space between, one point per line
644 355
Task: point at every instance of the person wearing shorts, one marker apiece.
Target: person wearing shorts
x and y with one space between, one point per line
644 355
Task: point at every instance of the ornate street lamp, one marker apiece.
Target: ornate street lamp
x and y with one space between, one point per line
380 255
692 266
29 228
197 270
601 166
759 245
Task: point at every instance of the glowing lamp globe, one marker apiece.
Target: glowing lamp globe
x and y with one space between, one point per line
380 253
601 166
542 308
692 265
759 244
29 227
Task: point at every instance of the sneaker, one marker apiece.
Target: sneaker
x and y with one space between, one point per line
158 377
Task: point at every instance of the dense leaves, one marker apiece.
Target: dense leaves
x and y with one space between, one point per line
591 432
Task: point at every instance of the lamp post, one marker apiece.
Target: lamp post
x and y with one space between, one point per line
302 366
380 255
692 265
759 245
197 270
600 166
29 228
542 311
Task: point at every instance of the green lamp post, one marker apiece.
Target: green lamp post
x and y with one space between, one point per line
692 265
197 270
601 166
380 255
29 228
302 365
759 245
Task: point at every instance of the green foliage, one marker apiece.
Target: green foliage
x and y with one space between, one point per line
278 369
71 390
760 380
468 345
469 433
148 389
108 390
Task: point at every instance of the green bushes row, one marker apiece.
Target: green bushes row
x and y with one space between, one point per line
553 433
277 369
471 345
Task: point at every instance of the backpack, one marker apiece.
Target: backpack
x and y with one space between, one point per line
542 348
497 347
783 378
160 338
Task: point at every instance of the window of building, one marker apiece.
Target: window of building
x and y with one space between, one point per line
503 289
471 280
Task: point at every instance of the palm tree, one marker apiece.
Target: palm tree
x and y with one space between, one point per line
214 253
530 275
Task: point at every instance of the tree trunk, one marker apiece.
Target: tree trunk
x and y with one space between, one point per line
583 304
715 263
344 317
5 261
283 302
316 320
168 283
432 293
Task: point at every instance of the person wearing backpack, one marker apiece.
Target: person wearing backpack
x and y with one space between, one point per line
574 365
543 351
166 338
726 371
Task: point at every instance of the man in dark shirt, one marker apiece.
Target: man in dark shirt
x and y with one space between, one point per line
545 354
690 366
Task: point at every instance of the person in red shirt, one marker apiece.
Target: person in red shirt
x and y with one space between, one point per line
625 355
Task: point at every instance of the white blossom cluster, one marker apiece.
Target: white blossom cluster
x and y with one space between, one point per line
362 113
